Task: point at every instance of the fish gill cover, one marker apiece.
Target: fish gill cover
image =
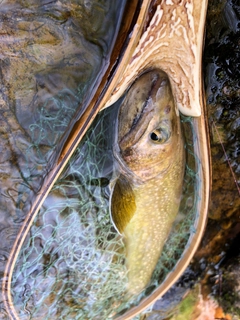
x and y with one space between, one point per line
72 264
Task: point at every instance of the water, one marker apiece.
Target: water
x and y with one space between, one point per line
52 56
36 109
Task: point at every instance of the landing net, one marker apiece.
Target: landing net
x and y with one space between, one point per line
72 263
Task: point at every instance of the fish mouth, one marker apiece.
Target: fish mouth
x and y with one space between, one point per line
142 118
136 132
138 175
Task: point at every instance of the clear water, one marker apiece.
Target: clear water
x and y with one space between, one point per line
52 55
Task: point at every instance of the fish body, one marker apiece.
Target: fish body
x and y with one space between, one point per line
150 161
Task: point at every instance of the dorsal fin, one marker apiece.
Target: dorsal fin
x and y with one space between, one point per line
123 204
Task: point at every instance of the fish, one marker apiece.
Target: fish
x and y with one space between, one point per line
149 165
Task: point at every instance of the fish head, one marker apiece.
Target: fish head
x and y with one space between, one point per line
148 130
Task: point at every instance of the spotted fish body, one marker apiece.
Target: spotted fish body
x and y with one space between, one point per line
150 160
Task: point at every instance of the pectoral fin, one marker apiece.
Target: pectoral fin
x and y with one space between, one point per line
123 204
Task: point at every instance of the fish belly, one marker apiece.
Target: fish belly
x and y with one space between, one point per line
146 233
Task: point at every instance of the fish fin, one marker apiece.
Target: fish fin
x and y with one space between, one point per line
123 204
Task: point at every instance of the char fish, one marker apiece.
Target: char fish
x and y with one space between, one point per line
150 163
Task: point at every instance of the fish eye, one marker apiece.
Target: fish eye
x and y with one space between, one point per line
159 135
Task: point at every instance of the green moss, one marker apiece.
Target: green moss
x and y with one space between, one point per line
187 306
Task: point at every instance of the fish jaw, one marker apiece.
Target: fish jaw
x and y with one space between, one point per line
137 153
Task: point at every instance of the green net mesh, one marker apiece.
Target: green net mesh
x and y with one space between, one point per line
72 264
